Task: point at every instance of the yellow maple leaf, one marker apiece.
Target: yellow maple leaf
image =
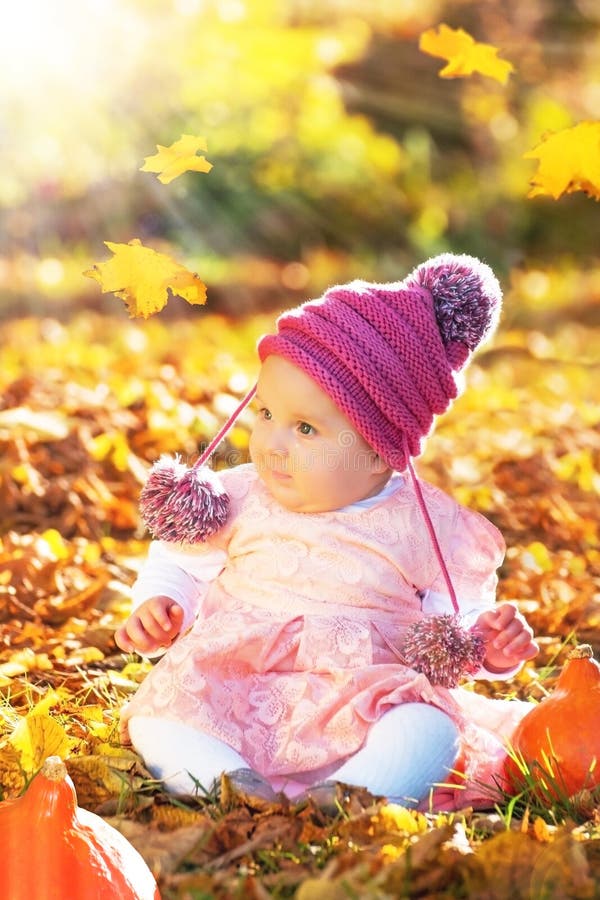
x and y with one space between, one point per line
142 277
38 736
569 161
179 157
464 54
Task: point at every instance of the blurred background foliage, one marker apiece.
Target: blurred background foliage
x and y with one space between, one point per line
337 149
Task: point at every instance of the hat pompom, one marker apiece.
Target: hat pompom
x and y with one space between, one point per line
182 504
466 295
443 650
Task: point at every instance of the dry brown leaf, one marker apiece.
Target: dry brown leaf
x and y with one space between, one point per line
322 889
562 870
101 778
514 865
163 851
12 776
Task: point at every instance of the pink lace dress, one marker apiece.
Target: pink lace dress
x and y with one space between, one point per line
292 652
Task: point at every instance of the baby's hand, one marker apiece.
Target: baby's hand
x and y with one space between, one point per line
154 624
507 637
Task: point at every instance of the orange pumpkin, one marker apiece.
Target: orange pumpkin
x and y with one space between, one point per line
51 849
559 740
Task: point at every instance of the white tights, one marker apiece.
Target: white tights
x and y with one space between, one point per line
409 749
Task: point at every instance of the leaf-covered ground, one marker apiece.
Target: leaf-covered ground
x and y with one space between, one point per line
84 407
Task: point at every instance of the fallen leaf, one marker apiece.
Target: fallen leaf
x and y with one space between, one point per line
542 831
12 776
57 609
142 277
42 425
25 661
322 889
102 777
562 870
505 861
394 817
37 737
569 161
56 543
425 866
179 157
167 817
465 55
162 851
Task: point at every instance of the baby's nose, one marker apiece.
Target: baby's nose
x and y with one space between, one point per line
278 443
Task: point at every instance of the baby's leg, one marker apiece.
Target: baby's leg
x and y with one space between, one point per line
173 752
409 749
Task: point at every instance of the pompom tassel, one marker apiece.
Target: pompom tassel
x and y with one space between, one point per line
442 649
182 504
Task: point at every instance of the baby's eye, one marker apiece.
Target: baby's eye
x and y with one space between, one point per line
265 413
305 428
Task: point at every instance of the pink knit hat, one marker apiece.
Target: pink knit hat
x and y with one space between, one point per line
390 355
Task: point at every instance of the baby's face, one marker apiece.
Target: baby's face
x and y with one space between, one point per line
305 450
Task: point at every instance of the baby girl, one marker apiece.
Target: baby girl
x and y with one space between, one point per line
283 629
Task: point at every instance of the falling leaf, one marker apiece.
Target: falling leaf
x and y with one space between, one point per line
465 55
569 161
142 278
180 157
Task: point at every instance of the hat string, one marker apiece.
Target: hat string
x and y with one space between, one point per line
223 431
434 540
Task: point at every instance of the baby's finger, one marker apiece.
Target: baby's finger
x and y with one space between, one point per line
506 615
520 646
140 637
161 612
123 641
495 619
175 614
153 627
508 633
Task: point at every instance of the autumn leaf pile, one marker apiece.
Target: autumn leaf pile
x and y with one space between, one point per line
86 407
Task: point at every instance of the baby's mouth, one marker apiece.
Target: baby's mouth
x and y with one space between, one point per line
279 475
